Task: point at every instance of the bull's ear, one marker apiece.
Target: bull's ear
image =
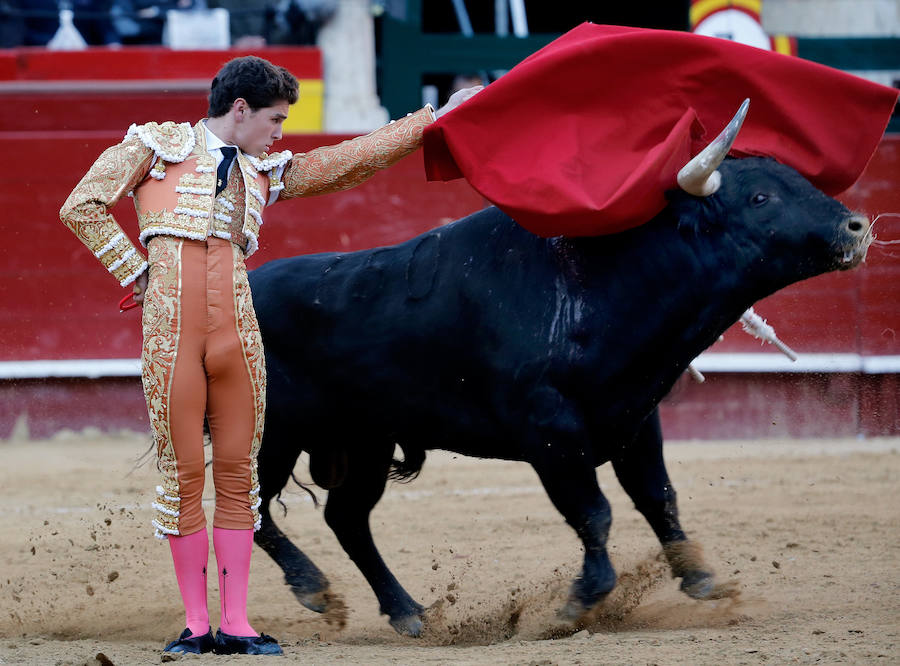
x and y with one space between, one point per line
693 215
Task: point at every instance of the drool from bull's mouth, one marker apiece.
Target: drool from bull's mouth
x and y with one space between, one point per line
862 249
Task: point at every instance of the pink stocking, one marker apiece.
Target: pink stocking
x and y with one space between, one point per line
233 548
190 554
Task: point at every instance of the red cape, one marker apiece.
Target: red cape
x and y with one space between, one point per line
584 136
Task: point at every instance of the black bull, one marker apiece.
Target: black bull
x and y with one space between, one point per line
483 339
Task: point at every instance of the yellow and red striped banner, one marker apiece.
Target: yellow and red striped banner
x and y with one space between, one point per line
700 9
784 44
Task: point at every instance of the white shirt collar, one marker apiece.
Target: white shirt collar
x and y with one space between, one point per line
213 142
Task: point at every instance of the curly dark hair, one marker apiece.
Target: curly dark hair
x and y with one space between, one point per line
257 80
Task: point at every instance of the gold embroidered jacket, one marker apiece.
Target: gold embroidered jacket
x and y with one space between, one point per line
185 205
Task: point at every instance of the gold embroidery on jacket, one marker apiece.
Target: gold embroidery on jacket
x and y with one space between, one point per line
165 222
122 168
169 140
116 172
335 168
199 181
228 212
249 184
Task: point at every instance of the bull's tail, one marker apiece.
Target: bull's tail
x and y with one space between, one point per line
406 469
312 495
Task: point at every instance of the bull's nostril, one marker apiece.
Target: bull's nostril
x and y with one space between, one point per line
855 225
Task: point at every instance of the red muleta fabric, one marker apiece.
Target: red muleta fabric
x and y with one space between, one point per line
583 137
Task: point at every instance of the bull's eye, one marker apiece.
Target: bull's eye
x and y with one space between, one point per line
759 199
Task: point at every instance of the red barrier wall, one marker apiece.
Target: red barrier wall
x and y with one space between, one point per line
56 301
137 63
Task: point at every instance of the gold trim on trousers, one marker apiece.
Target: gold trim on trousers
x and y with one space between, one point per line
202 357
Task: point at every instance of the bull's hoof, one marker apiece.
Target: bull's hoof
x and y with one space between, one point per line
593 585
698 584
728 590
408 625
579 608
703 585
316 601
573 612
697 579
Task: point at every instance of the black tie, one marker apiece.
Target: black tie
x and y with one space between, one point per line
228 154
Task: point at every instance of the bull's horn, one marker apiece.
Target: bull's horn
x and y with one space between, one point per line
699 176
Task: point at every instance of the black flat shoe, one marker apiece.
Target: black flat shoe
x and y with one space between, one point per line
262 644
188 642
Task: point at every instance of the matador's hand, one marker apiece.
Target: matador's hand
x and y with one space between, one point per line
140 286
456 99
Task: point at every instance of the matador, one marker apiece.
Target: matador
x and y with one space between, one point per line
200 192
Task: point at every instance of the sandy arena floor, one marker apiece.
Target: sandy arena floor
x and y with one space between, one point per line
809 530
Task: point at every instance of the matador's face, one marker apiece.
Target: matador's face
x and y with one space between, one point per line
257 129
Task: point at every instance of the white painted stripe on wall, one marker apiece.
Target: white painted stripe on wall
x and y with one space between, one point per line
87 368
706 362
767 362
881 365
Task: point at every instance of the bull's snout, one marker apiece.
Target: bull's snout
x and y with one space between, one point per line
859 236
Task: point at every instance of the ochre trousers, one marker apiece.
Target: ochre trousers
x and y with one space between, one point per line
202 357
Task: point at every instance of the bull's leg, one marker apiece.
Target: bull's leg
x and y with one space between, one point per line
642 472
347 513
276 460
307 583
573 489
